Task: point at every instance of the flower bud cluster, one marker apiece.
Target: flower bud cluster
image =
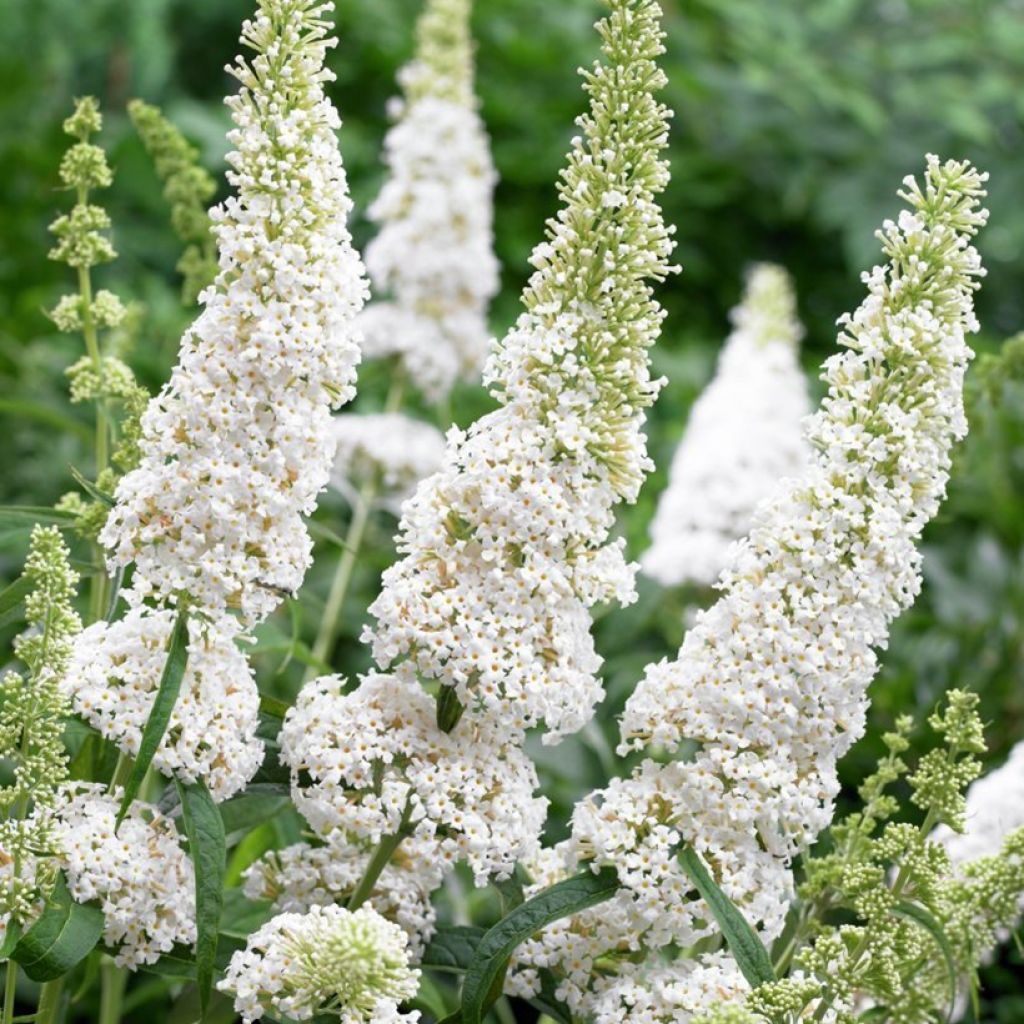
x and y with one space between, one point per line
350 964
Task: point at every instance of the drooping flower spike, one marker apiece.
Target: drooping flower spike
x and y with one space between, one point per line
770 684
744 435
238 445
507 546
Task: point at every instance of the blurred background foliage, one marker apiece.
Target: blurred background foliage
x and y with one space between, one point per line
795 122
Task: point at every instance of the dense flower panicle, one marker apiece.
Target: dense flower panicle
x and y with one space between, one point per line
433 255
303 876
394 450
376 763
995 808
32 713
506 547
141 874
744 435
238 444
350 964
770 683
112 680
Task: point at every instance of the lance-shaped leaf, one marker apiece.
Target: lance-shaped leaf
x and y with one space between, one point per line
205 831
61 938
12 599
744 943
451 949
919 915
482 984
160 714
30 515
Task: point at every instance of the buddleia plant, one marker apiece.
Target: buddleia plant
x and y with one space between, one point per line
32 710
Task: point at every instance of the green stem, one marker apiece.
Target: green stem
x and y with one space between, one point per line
378 862
10 987
50 1002
113 982
331 619
328 630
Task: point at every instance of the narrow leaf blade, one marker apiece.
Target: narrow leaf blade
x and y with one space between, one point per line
482 982
61 938
919 915
744 943
29 515
205 831
12 598
160 713
451 949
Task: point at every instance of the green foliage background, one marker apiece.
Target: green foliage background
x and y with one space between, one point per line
795 122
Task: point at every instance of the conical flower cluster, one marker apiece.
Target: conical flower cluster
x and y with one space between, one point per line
744 435
507 546
237 446
433 256
770 684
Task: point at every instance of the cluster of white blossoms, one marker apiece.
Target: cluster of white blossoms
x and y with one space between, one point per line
351 964
995 808
433 255
507 546
393 450
140 874
237 446
303 876
112 680
372 763
744 435
770 685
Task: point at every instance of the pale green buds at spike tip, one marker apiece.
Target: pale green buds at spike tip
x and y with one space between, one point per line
443 65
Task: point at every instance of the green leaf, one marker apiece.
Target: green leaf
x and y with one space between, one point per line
451 949
29 515
160 713
91 489
12 599
482 984
260 802
242 916
744 943
545 1001
919 915
205 831
273 707
62 937
11 939
511 889
449 709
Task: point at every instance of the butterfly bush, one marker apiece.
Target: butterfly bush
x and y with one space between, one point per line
302 876
238 444
236 447
138 871
507 546
351 964
113 675
394 450
769 688
744 435
433 255
373 762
